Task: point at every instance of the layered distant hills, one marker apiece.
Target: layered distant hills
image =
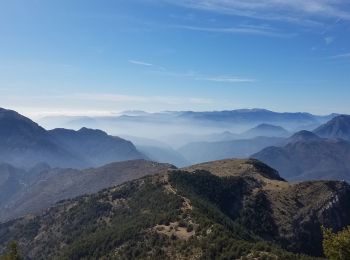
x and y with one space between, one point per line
85 194
228 145
178 128
24 143
231 209
322 154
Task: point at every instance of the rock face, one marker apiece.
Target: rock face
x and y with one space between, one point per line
225 209
23 143
300 209
21 194
338 127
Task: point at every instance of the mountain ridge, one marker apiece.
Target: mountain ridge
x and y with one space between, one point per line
309 159
338 127
157 215
23 143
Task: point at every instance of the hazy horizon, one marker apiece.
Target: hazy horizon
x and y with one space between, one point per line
84 58
97 114
174 129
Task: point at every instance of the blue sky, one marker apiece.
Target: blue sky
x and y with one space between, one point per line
85 57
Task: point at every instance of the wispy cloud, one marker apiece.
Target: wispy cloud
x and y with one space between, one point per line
227 79
341 56
169 100
105 104
190 74
284 10
140 63
194 75
255 30
329 40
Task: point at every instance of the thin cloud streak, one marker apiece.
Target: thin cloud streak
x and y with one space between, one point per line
296 11
104 103
141 63
201 77
239 30
227 79
171 100
99 98
163 71
341 56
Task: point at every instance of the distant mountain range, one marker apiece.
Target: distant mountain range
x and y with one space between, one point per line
231 209
302 156
262 130
24 143
165 125
228 145
257 116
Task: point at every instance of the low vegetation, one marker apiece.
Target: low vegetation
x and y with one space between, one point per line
12 252
175 215
336 246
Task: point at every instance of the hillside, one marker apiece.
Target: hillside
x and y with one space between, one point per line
246 210
308 157
209 151
23 144
97 147
22 195
338 127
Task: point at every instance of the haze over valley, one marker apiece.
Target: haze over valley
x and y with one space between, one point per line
187 129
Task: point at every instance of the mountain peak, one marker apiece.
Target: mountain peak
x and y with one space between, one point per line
303 136
269 126
266 130
85 130
338 127
24 143
13 122
238 167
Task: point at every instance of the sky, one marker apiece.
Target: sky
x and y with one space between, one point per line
100 57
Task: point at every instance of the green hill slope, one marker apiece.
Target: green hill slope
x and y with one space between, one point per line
191 214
